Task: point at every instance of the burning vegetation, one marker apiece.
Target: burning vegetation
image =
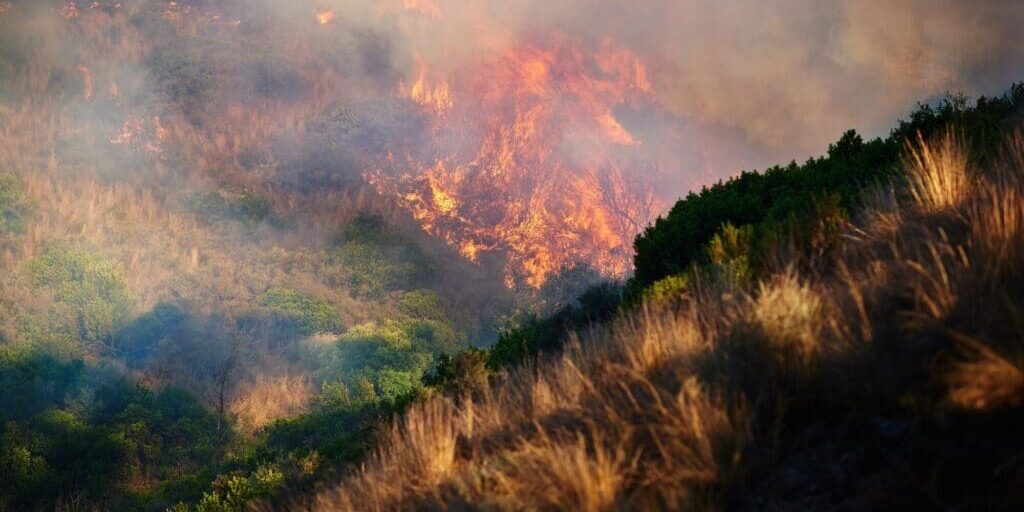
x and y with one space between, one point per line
536 168
239 237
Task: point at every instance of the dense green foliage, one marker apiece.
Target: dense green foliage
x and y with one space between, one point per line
91 302
309 314
389 359
805 201
77 431
461 373
71 433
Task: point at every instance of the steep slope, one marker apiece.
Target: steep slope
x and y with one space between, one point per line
892 379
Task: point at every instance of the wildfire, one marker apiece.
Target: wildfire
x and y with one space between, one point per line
178 14
87 86
519 193
324 16
426 8
435 97
134 133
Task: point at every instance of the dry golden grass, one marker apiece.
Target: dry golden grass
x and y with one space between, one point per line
610 423
663 408
266 398
660 410
938 172
984 380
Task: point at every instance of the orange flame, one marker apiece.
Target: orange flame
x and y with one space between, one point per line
324 16
518 193
434 97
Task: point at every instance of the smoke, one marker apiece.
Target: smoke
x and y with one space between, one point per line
792 75
438 99
748 81
537 132
736 83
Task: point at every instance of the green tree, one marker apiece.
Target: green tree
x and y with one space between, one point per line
89 292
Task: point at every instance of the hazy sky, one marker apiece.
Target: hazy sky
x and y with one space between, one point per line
734 83
769 79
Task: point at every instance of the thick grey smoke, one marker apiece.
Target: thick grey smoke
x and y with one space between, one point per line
752 81
736 83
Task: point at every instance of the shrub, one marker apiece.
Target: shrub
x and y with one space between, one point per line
668 289
535 335
89 291
184 79
462 373
938 176
423 304
789 195
730 254
375 259
309 314
13 205
246 207
233 493
392 356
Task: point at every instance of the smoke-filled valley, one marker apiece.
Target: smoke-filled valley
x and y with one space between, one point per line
271 255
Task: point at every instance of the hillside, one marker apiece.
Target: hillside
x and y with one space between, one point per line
886 375
174 280
406 254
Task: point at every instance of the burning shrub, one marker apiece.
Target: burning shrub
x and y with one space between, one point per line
309 314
